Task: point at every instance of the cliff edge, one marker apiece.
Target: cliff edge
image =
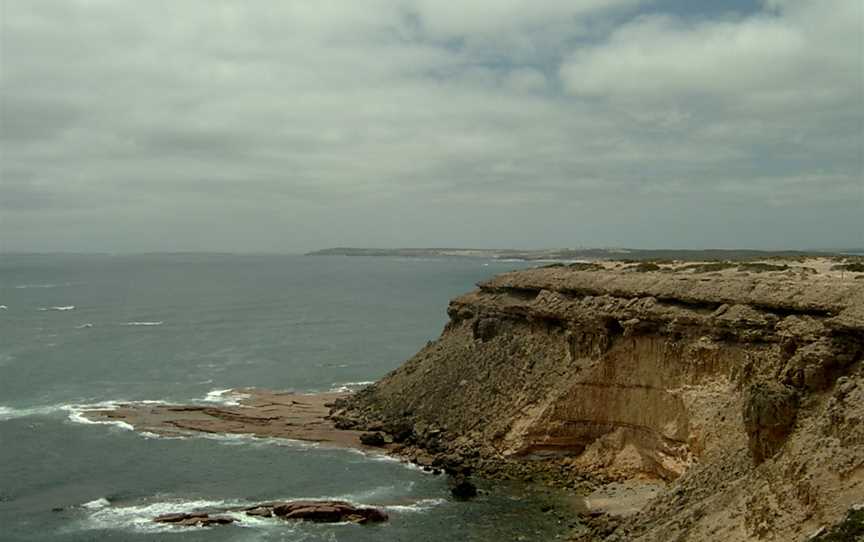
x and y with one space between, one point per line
740 387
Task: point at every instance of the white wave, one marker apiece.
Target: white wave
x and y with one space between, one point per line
376 455
374 494
247 439
78 413
61 308
140 517
149 435
159 323
419 506
48 285
4 308
9 413
84 326
96 504
228 397
347 387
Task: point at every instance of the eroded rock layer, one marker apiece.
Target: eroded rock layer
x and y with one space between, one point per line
742 391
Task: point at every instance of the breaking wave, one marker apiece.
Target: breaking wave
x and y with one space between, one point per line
47 285
228 397
347 387
102 514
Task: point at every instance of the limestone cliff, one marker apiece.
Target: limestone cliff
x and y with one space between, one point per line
743 391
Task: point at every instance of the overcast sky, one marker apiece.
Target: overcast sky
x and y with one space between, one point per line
290 125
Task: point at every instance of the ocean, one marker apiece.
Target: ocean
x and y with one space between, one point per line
80 330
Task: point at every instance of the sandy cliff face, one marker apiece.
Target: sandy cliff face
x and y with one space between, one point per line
744 391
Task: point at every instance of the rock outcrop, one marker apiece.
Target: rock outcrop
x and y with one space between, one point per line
316 511
743 391
193 519
319 511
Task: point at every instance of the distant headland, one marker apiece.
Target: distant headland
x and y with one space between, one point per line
576 253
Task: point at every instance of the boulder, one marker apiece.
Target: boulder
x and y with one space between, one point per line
373 439
462 488
322 511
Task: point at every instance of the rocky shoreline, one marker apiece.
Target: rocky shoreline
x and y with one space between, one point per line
674 400
253 412
733 390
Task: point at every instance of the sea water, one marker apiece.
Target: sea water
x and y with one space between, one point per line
83 330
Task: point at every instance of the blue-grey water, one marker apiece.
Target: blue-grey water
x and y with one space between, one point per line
80 330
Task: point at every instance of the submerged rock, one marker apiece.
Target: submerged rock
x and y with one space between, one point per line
319 511
461 487
196 519
315 511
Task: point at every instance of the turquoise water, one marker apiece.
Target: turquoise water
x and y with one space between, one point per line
80 330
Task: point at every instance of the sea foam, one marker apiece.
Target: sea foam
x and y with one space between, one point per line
77 413
228 397
422 505
347 387
48 285
159 323
139 517
10 413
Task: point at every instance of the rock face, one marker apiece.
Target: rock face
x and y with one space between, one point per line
769 414
739 390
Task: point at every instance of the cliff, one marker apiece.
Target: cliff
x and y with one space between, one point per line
741 389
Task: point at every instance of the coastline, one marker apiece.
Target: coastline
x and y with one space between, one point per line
252 412
306 418
646 390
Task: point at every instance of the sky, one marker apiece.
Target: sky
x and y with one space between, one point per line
291 125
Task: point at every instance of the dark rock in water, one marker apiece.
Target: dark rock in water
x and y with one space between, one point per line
462 488
372 439
319 511
260 511
197 519
178 516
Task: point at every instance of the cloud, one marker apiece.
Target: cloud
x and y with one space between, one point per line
482 17
372 122
798 52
